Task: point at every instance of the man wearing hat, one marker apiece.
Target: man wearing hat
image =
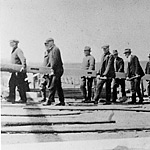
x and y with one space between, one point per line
52 59
119 67
134 74
17 78
87 64
147 71
105 75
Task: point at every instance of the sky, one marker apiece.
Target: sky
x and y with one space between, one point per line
75 24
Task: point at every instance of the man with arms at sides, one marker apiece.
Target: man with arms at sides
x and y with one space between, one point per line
134 74
119 67
147 71
105 75
87 64
17 79
53 60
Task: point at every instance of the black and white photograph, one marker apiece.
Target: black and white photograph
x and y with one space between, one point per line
75 74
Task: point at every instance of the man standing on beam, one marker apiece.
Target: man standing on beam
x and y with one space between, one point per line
53 60
134 75
119 67
87 64
105 75
17 78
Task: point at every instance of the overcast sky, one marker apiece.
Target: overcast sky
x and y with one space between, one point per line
74 24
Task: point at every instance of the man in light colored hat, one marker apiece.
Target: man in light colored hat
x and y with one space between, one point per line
135 72
52 59
105 75
18 78
87 64
147 71
119 67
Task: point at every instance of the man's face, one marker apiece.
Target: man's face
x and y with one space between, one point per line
50 44
127 55
105 50
13 44
86 52
115 55
46 46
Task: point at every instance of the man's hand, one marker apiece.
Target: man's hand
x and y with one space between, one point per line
52 72
102 78
98 76
23 69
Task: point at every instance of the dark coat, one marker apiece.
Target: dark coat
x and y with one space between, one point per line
147 69
107 66
119 64
52 58
134 68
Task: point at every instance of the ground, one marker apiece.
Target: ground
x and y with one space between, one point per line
34 123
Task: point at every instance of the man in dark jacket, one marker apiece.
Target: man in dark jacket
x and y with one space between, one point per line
119 67
17 79
53 60
87 64
147 71
105 75
134 74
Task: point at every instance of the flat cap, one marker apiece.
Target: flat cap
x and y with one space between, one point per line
87 48
127 50
149 55
115 52
15 41
105 46
48 40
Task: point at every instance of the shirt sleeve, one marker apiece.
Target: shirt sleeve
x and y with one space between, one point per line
92 64
21 57
46 59
137 64
55 57
121 66
109 65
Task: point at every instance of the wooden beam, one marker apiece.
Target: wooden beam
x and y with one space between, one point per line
30 69
54 123
146 77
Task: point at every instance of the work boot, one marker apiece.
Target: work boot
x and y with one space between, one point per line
47 103
60 104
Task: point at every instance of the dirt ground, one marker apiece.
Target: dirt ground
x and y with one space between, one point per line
35 123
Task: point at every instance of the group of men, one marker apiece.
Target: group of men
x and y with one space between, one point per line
110 63
52 59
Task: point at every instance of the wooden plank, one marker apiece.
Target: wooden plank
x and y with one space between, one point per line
32 113
72 129
79 72
83 116
54 123
30 69
120 75
90 108
146 77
